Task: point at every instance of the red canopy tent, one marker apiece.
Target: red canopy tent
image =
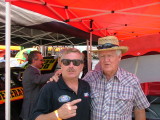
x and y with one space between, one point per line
131 21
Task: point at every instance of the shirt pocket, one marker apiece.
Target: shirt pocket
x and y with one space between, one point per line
124 100
95 100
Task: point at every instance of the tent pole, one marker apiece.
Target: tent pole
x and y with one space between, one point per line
90 56
136 67
90 44
7 59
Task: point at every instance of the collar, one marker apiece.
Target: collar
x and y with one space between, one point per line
63 85
36 68
118 75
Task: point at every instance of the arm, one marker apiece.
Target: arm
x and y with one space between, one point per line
66 111
46 105
36 77
55 77
139 114
49 116
140 103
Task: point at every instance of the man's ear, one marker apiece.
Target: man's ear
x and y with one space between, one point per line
33 61
120 57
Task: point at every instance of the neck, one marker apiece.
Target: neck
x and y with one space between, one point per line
72 83
109 75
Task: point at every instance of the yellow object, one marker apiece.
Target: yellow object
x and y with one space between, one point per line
3 47
56 113
16 94
48 64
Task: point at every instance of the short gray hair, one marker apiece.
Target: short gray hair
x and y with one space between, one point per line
72 50
118 52
33 55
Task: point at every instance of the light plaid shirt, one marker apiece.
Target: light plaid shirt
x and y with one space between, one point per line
116 98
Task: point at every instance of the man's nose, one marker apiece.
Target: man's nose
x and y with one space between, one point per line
106 58
71 64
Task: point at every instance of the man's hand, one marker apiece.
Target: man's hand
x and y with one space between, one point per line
140 114
55 77
68 110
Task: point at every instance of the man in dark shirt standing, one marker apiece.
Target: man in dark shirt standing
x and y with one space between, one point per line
68 98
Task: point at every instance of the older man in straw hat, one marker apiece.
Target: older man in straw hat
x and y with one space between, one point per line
115 93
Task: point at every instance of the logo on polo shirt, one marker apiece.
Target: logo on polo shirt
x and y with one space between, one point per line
86 94
64 98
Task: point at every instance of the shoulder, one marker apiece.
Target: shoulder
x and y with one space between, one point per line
83 82
30 68
49 86
84 85
93 72
93 75
127 77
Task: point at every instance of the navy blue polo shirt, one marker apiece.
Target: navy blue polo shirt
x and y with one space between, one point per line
53 95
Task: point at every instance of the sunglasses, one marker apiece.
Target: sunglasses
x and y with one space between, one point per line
76 62
107 45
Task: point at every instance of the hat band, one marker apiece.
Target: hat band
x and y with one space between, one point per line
107 45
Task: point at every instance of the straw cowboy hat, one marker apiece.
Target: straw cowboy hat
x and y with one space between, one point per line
109 43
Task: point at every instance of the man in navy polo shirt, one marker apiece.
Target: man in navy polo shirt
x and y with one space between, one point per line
68 98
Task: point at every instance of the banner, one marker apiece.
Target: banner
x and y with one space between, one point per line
16 94
48 64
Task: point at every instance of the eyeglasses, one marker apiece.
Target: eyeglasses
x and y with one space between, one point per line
107 45
76 62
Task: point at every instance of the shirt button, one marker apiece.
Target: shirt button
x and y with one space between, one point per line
107 108
109 86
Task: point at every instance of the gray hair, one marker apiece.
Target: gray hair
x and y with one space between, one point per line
118 52
33 55
72 50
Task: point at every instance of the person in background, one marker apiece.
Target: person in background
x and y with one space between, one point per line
85 68
69 98
32 82
25 54
115 93
97 66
